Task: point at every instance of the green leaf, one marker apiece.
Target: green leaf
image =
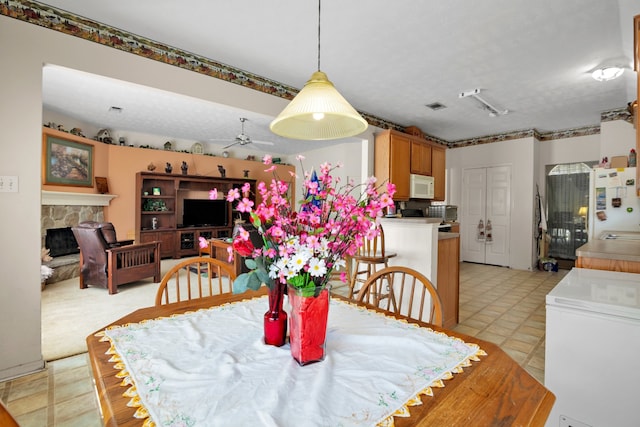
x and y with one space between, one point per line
263 276
254 282
240 285
250 263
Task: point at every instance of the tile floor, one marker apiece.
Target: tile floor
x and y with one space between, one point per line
497 304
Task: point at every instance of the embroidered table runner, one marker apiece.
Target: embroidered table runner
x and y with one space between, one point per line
211 368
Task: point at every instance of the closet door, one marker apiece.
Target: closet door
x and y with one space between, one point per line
486 215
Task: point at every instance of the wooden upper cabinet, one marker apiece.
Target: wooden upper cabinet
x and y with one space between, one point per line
393 161
438 161
420 158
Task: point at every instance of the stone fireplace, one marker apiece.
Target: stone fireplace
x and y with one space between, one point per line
59 212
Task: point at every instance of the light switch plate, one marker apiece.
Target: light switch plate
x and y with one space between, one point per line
8 184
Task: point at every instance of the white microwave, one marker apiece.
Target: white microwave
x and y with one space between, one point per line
421 187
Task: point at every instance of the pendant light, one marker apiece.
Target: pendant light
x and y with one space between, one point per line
318 111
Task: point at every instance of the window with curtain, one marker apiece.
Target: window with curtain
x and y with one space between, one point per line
567 195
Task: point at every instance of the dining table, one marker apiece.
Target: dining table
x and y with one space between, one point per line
488 388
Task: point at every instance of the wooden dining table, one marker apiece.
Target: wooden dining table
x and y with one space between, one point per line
496 391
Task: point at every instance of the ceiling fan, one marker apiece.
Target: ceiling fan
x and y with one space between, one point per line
244 139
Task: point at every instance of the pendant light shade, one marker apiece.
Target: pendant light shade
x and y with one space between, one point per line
318 112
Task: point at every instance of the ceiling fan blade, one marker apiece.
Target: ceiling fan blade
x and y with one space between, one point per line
231 145
262 142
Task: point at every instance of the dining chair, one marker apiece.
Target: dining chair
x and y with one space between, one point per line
194 278
366 262
403 290
6 419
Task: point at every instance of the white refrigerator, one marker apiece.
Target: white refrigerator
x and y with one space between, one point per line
613 204
592 349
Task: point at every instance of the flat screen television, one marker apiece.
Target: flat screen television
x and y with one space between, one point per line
205 213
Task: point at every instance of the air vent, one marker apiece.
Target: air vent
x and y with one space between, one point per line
436 106
114 109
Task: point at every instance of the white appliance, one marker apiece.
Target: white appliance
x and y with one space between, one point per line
421 186
606 186
593 348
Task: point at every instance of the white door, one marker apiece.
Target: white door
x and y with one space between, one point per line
486 197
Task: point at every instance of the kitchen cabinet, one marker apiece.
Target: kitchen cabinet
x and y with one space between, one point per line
420 158
397 155
448 283
392 161
438 167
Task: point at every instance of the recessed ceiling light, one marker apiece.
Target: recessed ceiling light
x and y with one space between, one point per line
607 73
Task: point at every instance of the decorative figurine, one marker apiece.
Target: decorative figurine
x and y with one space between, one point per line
246 173
184 168
151 167
168 168
223 172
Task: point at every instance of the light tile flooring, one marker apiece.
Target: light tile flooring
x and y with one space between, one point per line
500 305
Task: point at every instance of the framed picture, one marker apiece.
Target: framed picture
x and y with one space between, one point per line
101 185
156 191
67 162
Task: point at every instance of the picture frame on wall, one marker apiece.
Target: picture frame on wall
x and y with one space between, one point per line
67 162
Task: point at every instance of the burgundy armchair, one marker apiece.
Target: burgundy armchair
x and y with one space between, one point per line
107 262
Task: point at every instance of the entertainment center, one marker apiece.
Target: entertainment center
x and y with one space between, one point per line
176 210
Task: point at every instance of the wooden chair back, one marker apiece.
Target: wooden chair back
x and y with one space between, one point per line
370 256
195 278
403 290
6 419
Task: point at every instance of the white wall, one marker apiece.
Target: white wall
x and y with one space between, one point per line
25 48
519 154
353 155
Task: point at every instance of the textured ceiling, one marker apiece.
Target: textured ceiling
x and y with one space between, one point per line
388 59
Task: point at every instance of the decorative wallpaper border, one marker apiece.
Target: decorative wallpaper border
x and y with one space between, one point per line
58 20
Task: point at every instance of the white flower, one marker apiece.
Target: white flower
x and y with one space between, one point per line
317 267
298 261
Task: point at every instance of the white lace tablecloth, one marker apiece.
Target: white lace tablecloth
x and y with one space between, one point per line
211 368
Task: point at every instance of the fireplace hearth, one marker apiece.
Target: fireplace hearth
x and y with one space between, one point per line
61 242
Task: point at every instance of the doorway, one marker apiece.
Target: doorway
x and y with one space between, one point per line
486 211
567 194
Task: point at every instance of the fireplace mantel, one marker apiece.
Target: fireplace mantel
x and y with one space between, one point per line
63 198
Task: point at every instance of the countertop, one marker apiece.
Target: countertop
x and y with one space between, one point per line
443 235
623 250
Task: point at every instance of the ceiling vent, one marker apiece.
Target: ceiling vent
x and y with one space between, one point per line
436 106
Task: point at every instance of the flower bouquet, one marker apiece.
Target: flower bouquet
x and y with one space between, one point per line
302 248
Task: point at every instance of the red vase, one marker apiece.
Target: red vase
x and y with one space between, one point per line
308 325
275 319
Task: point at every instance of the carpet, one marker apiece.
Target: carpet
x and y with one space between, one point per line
70 314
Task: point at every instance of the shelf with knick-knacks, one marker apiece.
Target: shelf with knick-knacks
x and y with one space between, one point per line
160 209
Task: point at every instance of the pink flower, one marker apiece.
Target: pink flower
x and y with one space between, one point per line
213 194
267 159
233 194
202 242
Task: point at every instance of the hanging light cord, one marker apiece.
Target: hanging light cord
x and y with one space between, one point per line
318 35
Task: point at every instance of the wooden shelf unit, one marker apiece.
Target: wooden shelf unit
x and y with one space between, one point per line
160 196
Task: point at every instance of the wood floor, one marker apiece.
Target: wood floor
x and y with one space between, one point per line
504 306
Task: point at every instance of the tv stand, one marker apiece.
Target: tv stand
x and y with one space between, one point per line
159 198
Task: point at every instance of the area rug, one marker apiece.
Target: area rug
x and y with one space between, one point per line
70 314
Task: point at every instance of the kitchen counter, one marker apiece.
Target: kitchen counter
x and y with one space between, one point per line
624 250
612 255
443 235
